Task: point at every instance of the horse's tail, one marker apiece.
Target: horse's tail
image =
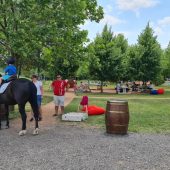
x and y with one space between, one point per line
33 100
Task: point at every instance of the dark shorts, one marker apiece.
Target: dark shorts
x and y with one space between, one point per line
39 100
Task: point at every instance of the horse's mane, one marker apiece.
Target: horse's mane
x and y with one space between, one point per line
23 79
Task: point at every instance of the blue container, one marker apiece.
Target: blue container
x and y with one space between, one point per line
154 92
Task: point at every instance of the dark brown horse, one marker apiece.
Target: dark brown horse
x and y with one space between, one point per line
21 91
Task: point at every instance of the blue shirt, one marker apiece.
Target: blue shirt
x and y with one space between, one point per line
10 70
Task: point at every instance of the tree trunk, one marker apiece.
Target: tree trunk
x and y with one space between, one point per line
101 87
19 70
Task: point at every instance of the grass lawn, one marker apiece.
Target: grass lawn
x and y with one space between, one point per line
147 114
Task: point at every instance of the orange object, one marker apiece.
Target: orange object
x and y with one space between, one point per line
94 110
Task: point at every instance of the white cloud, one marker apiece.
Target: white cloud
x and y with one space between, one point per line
164 22
111 20
135 5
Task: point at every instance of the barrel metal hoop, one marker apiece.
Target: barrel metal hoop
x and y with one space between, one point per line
123 112
118 101
117 104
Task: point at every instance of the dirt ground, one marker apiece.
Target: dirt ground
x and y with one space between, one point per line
47 112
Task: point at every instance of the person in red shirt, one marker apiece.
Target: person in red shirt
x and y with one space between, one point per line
59 86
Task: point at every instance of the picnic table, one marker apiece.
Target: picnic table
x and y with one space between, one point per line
97 84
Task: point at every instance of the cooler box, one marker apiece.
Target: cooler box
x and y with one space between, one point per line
74 116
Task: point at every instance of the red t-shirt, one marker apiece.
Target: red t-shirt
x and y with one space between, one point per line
59 87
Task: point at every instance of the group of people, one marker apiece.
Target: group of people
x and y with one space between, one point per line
133 86
59 87
120 87
83 87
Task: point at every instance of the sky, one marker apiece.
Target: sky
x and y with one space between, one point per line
130 18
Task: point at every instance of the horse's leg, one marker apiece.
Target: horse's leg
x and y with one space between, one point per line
35 109
24 118
0 121
7 115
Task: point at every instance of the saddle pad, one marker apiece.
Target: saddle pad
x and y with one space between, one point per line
3 87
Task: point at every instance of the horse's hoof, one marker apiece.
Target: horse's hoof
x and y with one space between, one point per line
35 132
22 132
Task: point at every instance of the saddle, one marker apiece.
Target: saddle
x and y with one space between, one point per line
5 83
13 77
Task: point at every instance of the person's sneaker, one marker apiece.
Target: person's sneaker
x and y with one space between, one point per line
31 119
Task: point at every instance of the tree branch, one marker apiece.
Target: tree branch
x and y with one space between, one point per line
5 45
15 21
2 26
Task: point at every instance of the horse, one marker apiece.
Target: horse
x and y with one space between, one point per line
21 91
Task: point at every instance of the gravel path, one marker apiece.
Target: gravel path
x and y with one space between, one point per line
61 147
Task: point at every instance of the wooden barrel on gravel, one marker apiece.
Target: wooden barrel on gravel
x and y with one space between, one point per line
117 117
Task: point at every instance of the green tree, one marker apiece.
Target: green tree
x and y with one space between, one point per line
133 63
107 52
83 70
27 27
150 55
165 62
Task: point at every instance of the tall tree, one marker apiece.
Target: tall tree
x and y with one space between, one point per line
133 63
165 62
26 27
107 55
150 53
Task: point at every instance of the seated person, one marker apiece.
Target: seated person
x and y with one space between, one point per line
9 70
124 87
134 87
81 87
118 88
150 86
86 88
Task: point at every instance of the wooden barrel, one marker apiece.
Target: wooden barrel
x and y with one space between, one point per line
117 117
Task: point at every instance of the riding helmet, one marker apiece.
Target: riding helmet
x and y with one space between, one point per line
11 60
